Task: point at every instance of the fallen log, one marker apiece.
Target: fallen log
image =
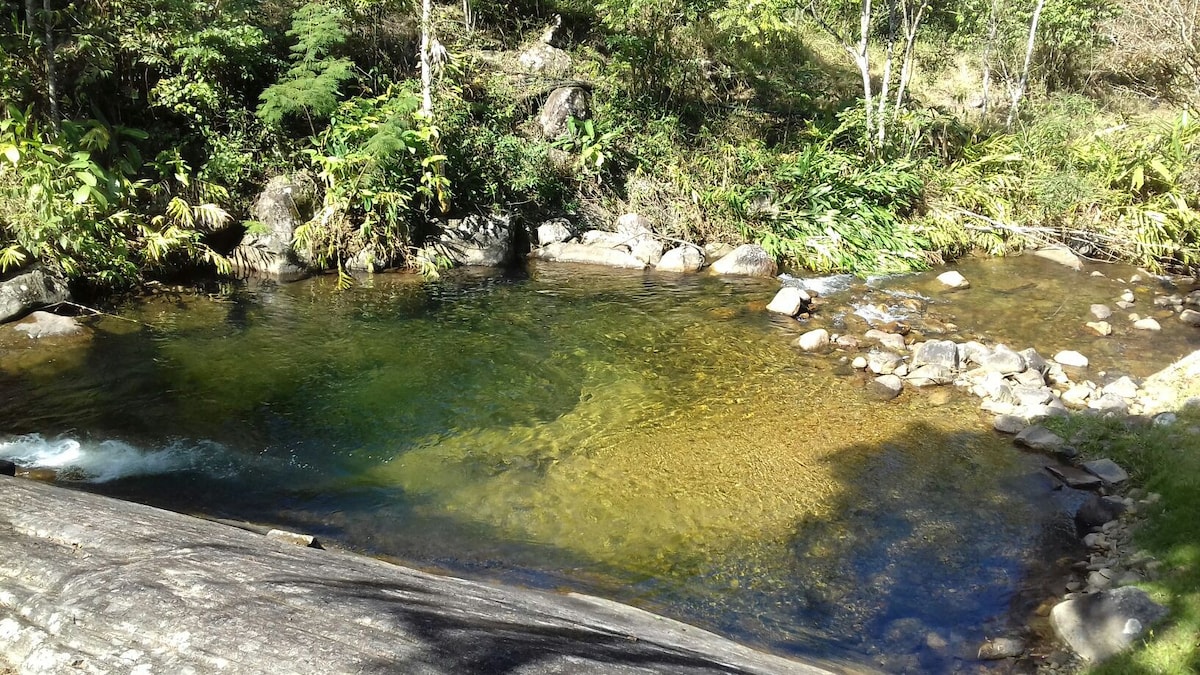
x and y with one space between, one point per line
93 584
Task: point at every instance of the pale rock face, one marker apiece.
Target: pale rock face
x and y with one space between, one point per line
789 300
553 232
749 260
562 104
587 255
686 258
953 279
1071 358
813 340
1147 324
1061 255
480 240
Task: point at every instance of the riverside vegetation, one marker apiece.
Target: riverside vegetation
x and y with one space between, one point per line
839 135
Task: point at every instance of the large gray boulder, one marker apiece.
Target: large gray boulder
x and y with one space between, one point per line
936 352
1102 625
1061 255
28 290
486 241
562 104
567 252
91 584
749 260
286 203
686 258
547 60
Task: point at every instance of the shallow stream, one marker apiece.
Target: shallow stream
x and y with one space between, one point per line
652 439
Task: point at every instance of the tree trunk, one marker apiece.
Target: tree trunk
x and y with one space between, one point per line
885 85
51 65
1020 90
911 24
993 25
426 66
863 60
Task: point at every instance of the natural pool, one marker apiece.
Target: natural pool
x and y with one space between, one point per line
650 439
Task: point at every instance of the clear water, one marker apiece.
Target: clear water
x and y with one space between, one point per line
651 439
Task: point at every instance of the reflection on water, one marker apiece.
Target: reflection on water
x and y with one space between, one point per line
653 440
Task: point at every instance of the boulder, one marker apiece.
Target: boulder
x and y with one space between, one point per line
7 468
1106 470
930 375
286 203
649 250
883 363
1009 424
892 341
714 250
942 353
45 324
1096 511
813 340
1190 316
953 279
886 387
562 104
554 231
28 290
1003 360
686 258
749 260
1039 438
1109 404
790 300
1147 324
1102 625
1075 478
1071 359
366 260
634 225
587 255
1122 386
544 59
486 241
607 239
1061 255
1034 360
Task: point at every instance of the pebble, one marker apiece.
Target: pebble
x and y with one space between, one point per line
1101 312
953 279
1128 296
1147 324
1071 358
1101 328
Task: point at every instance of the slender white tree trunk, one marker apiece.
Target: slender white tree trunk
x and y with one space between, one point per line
885 85
912 22
426 66
51 65
863 60
993 25
1024 81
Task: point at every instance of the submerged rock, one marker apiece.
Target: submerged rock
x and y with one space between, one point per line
748 260
1001 648
45 324
1075 478
1147 324
1102 625
1061 255
892 341
1101 312
1190 316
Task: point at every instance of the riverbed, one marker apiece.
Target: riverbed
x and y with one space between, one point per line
653 439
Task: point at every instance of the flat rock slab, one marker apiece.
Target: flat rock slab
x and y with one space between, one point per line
93 584
1076 478
1107 470
1040 439
44 324
1101 625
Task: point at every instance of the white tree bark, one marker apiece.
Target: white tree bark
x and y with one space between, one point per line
1019 92
912 23
426 66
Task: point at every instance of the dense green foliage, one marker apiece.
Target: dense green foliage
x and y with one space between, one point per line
720 120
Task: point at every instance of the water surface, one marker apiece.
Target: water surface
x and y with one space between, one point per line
653 439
